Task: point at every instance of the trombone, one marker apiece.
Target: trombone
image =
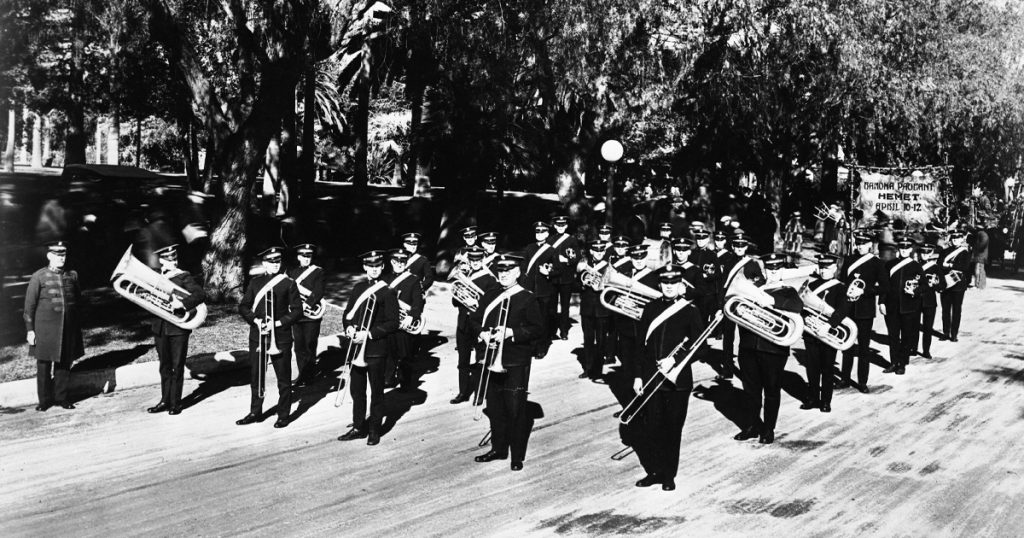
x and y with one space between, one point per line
355 355
266 350
652 385
492 356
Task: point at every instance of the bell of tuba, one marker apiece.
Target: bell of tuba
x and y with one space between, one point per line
816 316
466 292
152 291
626 296
743 305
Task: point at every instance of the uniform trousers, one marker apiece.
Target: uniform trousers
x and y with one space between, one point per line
52 381
507 412
465 344
662 426
761 373
282 369
821 360
952 305
306 334
595 343
171 350
620 379
927 325
862 349
564 298
902 330
372 373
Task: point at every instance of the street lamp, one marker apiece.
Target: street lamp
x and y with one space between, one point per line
611 152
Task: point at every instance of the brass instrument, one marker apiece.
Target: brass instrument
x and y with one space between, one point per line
594 279
652 385
406 321
910 286
816 316
492 356
355 355
268 349
466 292
743 305
626 296
933 280
824 212
152 291
953 278
311 312
855 289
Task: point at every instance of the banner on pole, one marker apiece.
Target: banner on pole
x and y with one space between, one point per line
912 198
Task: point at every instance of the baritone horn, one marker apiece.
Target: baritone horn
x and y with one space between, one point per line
152 291
816 316
855 289
316 312
593 278
355 355
744 306
466 292
406 321
626 296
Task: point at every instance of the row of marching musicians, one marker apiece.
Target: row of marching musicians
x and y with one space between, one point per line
660 328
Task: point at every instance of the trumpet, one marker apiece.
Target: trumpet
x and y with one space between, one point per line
355 355
492 356
953 278
406 321
152 291
466 292
626 296
816 316
743 306
652 385
855 289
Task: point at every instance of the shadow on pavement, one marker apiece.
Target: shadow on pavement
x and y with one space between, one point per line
216 383
730 401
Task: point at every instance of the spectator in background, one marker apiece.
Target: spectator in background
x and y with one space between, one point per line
979 256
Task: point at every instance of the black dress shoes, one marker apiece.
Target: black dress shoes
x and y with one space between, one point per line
890 369
490 456
842 384
826 408
281 423
953 339
158 408
584 375
926 355
648 481
42 407
352 435
809 404
66 405
901 370
767 438
863 388
459 398
373 438
668 485
748 433
247 419
517 466
176 410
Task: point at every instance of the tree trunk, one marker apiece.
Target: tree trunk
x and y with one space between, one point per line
37 141
361 125
98 151
114 139
188 146
11 131
75 139
830 174
138 142
208 166
26 117
289 159
47 133
307 163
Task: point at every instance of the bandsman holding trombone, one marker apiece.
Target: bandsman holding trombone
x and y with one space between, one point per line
271 304
666 323
508 322
371 315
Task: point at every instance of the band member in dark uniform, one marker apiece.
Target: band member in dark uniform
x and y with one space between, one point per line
400 368
537 276
53 326
734 264
956 260
665 323
619 255
864 276
465 336
604 235
309 280
567 254
489 243
172 341
721 243
507 391
621 380
704 293
821 357
934 276
762 361
287 309
423 269
469 237
682 249
664 244
375 339
593 315
901 304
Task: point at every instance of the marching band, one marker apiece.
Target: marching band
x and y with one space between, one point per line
646 313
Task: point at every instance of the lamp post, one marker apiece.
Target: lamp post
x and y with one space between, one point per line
611 152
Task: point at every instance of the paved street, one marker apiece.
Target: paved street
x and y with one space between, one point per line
936 452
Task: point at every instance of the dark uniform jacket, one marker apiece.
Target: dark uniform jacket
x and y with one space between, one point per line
524 321
933 276
311 288
662 338
751 270
420 266
957 259
895 299
407 290
692 274
876 278
625 325
590 303
787 300
287 307
51 310
531 278
569 248
707 278
382 322
196 296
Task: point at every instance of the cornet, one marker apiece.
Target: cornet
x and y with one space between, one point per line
406 321
743 305
910 286
816 316
626 296
855 289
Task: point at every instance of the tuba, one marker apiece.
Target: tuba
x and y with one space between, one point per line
492 355
406 321
466 292
855 289
743 307
147 288
816 316
355 355
626 296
